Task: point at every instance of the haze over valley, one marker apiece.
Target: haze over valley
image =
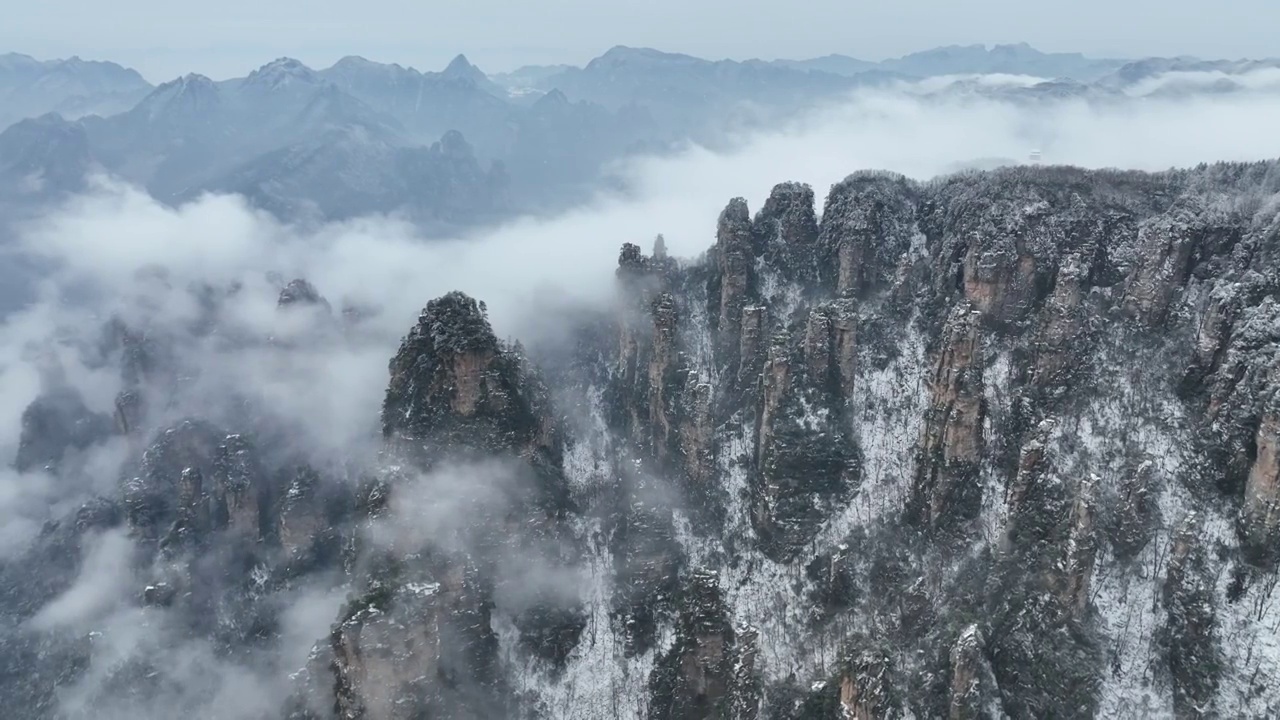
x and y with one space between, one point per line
656 387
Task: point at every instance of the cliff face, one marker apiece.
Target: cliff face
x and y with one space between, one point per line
972 410
996 445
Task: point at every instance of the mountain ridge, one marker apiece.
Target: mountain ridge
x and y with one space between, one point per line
995 444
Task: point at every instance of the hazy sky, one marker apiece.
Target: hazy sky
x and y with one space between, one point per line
164 38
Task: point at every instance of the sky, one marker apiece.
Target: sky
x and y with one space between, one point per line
166 38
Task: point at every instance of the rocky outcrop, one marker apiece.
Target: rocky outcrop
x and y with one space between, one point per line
302 293
421 640
1058 346
1020 498
647 563
1167 244
785 231
661 375
946 490
1188 636
805 457
974 694
1260 513
243 501
191 525
753 346
735 276
1136 517
866 692
306 510
1082 547
932 437
418 647
702 676
455 389
153 496
868 228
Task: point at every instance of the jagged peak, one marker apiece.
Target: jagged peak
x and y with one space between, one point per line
190 80
787 195
554 98
281 72
461 67
456 322
300 292
735 212
191 88
189 85
360 69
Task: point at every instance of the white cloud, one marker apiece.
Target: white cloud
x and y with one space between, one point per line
1259 80
330 385
101 586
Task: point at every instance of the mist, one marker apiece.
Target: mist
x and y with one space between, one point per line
99 242
116 252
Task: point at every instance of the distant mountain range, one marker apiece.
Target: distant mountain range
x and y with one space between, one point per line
458 147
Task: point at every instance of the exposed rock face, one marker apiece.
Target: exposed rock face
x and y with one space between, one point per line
867 232
419 640
946 489
973 685
865 692
1260 516
786 234
647 560
1082 547
1188 637
1136 517
735 254
153 496
996 445
805 459
301 292
243 501
453 386
701 676
1062 327
418 649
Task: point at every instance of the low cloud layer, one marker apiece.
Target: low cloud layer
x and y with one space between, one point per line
106 245
118 253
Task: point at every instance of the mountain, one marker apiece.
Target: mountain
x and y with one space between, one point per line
430 104
525 79
43 158
461 69
1001 444
1016 59
554 135
563 144
834 64
1183 77
270 128
349 172
1019 59
692 96
363 137
72 87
